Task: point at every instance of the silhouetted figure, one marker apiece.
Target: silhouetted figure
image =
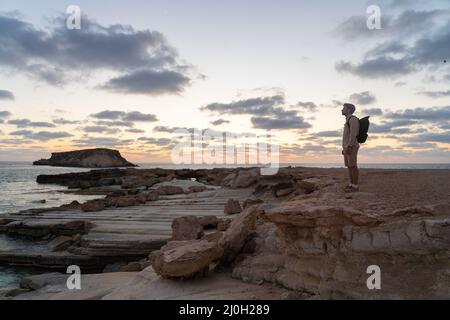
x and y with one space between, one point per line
350 145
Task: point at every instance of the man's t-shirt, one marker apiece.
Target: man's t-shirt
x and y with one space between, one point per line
351 130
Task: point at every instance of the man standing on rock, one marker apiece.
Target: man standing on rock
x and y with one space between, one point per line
350 145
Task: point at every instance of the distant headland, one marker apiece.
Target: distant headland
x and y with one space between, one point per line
87 158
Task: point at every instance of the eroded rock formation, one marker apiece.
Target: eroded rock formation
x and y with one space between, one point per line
326 251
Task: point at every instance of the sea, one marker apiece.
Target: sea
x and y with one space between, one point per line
20 191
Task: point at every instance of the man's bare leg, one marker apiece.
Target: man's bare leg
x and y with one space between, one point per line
354 175
350 175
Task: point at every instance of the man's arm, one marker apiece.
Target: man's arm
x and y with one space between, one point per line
354 131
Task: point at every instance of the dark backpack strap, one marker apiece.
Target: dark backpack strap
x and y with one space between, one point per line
348 120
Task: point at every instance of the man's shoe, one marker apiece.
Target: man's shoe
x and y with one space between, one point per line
348 189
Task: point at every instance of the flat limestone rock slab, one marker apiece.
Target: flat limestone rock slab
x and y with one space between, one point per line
53 286
118 232
146 285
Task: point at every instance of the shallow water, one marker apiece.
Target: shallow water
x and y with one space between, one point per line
10 276
20 191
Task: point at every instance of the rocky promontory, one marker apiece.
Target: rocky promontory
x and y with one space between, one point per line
88 158
232 233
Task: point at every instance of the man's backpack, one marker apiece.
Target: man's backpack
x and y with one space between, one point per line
363 129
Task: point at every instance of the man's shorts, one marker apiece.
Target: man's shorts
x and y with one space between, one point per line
351 160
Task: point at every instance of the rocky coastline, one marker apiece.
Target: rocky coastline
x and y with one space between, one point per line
293 235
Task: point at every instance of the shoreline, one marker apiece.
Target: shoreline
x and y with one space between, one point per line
132 221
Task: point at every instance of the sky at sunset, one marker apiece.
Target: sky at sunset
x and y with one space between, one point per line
137 70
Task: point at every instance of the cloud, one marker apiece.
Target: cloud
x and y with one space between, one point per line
125 118
326 134
135 130
433 114
407 24
388 126
307 148
218 122
109 115
308 106
6 95
363 98
101 142
254 106
136 116
26 123
49 74
65 121
417 40
100 129
41 135
267 112
421 145
168 129
268 123
155 141
402 3
19 141
435 94
117 123
143 60
148 82
400 83
373 111
445 126
443 137
380 67
5 114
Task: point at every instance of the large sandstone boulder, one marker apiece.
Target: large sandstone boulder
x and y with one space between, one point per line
138 181
63 242
194 189
126 201
232 206
185 259
309 185
209 222
141 198
152 196
111 201
235 236
186 228
170 190
93 205
246 178
228 180
251 202
223 224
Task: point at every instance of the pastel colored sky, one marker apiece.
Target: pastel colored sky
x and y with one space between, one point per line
136 70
